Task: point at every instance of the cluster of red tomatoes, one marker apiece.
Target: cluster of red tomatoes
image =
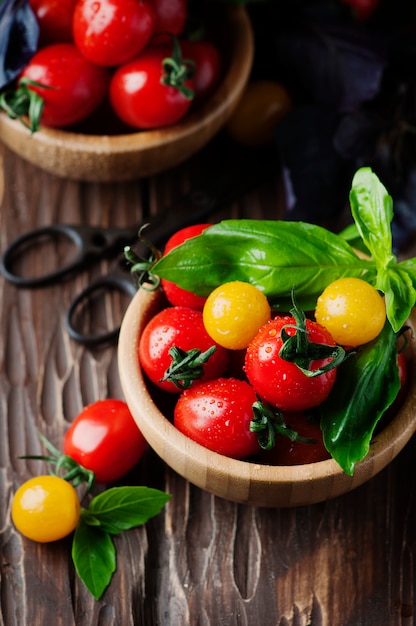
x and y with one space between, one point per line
130 54
235 370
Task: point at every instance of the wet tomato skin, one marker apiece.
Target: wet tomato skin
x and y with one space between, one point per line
184 328
352 310
281 383
217 415
234 312
74 87
138 95
112 32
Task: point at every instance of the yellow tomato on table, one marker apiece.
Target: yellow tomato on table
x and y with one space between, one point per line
46 508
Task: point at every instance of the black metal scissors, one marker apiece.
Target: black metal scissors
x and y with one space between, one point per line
93 243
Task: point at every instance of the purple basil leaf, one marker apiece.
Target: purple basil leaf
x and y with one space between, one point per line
333 62
19 34
357 134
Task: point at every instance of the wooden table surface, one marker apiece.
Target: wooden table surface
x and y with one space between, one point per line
203 561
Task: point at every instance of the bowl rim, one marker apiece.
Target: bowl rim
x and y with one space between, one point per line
387 443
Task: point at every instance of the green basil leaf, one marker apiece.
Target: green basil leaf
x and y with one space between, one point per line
94 557
408 266
122 508
352 236
400 294
372 210
366 385
275 256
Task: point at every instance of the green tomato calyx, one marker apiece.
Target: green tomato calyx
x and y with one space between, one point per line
299 350
186 366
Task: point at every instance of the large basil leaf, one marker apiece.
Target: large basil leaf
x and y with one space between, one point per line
365 387
275 256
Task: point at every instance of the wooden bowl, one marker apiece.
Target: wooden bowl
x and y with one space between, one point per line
242 481
110 158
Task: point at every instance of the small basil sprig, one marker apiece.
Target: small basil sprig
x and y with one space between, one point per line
111 512
372 210
365 387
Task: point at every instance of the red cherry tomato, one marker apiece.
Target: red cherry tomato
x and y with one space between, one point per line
403 374
77 86
184 328
288 452
111 32
217 415
281 383
208 66
55 20
140 98
170 16
176 295
105 439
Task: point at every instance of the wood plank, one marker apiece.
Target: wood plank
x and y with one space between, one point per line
203 561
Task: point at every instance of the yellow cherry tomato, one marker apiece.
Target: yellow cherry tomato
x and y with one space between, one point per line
46 508
261 107
234 312
352 310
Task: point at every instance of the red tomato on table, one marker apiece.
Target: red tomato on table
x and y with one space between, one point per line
74 87
111 32
105 439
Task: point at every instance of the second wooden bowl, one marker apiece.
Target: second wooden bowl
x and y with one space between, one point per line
111 158
242 481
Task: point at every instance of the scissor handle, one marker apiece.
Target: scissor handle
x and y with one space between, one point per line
89 242
114 282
